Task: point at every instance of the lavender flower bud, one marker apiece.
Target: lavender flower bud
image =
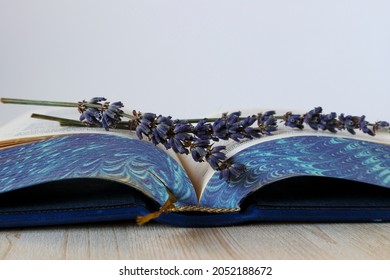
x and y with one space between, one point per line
267 122
312 118
220 129
145 126
350 123
363 124
198 149
163 125
293 120
231 171
203 129
328 122
91 116
112 115
215 157
96 100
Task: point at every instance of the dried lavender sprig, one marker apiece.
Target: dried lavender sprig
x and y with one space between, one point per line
183 137
101 114
290 119
82 104
331 122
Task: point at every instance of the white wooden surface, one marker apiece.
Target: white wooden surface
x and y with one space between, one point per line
155 241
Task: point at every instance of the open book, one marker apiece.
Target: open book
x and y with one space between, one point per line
60 175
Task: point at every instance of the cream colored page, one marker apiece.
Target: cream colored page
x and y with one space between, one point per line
197 172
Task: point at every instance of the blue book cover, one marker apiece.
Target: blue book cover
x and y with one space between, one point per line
98 177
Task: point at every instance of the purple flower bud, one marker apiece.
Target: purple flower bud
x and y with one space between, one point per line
112 115
198 154
294 120
313 117
96 100
203 130
149 117
220 129
248 121
363 124
178 146
161 127
231 171
183 127
215 157
198 149
267 122
380 124
107 115
233 118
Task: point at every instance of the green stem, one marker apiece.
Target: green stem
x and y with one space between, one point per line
38 102
70 122
54 104
131 117
214 119
57 119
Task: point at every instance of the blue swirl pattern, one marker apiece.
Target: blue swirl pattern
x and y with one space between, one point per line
277 159
95 156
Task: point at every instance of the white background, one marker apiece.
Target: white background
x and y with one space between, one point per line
109 269
195 58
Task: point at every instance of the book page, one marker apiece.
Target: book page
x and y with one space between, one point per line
198 172
87 152
233 148
201 173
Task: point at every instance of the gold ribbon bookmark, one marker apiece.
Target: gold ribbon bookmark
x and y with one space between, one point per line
167 207
170 207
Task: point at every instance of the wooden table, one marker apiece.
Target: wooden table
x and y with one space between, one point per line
155 241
